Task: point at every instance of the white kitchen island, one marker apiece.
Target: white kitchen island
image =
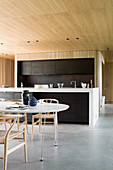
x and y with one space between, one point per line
93 97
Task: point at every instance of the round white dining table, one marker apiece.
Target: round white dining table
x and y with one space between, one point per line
42 108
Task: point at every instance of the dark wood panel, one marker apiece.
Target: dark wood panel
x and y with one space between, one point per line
78 102
81 66
37 67
26 68
62 67
49 67
29 81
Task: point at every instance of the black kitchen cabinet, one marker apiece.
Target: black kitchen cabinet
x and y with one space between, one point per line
78 111
81 66
79 108
26 67
87 66
58 67
37 67
49 67
62 66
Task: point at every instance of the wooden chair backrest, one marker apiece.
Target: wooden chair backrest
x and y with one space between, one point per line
15 100
49 100
7 116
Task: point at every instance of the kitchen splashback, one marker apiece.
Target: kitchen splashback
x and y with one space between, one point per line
29 81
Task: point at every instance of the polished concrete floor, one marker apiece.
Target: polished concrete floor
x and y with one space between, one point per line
79 147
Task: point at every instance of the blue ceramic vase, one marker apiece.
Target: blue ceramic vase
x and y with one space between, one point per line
32 101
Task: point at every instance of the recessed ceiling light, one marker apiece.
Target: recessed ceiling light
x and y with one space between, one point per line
28 41
77 38
37 40
67 38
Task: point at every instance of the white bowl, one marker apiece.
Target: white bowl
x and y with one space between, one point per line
83 85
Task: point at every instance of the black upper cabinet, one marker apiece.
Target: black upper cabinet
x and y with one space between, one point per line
58 67
62 66
26 67
37 67
49 67
87 66
81 66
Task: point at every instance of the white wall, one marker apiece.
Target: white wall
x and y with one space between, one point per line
98 73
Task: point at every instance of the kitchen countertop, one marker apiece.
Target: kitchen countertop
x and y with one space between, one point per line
65 89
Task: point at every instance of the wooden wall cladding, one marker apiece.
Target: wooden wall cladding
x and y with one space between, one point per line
56 55
108 82
107 78
6 72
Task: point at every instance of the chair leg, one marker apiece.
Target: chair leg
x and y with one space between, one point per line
39 126
25 149
4 121
5 126
10 123
18 124
32 126
26 122
5 156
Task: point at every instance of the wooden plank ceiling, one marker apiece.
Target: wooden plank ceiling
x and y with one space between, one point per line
51 22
